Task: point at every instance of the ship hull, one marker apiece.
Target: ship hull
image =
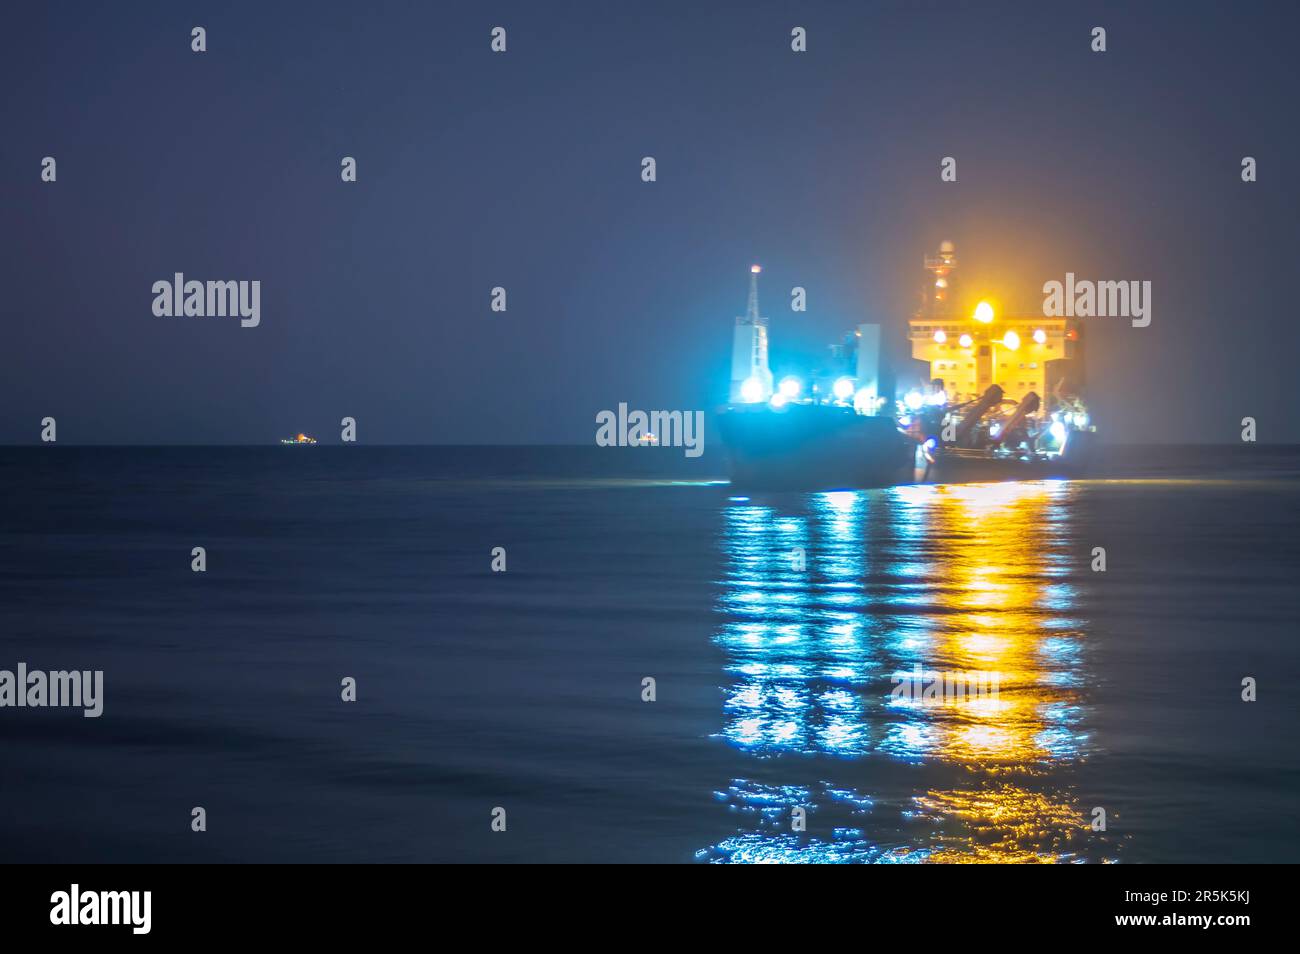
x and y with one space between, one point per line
957 466
821 447
813 447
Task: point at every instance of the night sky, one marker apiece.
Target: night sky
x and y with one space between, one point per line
523 170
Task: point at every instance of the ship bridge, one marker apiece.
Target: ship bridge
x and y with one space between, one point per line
1020 354
971 352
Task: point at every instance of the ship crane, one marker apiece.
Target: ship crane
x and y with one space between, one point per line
974 411
1017 420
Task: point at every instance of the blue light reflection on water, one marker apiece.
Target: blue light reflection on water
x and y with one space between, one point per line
946 579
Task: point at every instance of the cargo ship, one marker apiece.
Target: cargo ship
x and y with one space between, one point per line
980 397
299 439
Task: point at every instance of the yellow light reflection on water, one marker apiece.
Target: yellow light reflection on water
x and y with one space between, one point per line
957 579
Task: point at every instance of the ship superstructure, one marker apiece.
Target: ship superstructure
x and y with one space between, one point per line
972 351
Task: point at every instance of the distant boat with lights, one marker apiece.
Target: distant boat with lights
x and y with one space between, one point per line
299 439
967 405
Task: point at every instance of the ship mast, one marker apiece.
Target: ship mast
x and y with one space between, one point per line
938 299
751 377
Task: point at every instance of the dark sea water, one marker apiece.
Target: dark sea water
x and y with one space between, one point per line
1118 690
